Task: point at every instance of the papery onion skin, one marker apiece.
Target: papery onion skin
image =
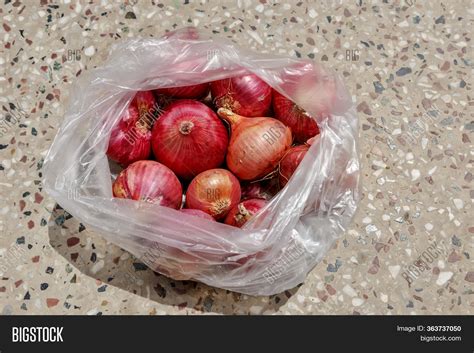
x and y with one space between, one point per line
256 144
243 212
246 95
197 213
189 138
149 181
148 108
186 92
302 125
130 139
146 104
290 162
214 191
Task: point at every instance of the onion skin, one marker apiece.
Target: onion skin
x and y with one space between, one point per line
129 142
240 214
246 95
290 162
189 138
146 104
149 181
302 125
186 92
197 213
214 191
256 144
130 139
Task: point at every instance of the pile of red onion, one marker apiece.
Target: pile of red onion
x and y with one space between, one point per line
215 151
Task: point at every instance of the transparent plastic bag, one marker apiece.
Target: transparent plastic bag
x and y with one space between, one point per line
276 249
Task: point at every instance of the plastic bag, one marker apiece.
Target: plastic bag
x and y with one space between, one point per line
276 249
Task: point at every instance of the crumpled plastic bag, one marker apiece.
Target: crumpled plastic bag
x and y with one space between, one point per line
276 249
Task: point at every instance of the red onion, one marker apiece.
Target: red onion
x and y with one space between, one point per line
186 92
302 125
197 213
129 142
149 181
146 104
214 191
245 210
256 144
290 162
189 138
130 139
246 95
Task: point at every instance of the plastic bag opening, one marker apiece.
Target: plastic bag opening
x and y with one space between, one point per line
290 235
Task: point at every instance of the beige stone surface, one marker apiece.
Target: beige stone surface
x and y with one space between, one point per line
410 72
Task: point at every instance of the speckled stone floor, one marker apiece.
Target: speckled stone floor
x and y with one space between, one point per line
409 65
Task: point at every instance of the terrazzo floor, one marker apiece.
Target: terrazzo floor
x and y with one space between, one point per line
409 66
